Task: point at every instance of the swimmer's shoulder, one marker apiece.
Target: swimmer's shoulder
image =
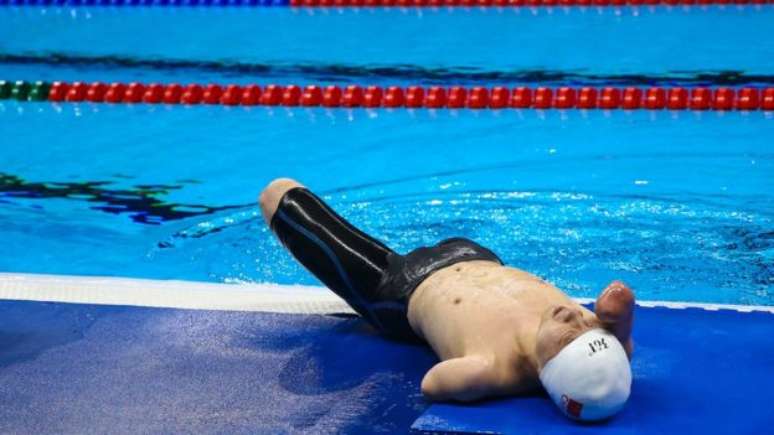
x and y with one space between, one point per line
516 372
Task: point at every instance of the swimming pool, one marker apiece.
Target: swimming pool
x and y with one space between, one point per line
676 203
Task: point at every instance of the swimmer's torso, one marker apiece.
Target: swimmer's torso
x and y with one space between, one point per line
483 308
483 320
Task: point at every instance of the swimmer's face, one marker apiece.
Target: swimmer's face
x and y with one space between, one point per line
559 325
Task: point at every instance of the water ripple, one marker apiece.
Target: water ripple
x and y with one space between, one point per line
343 73
674 248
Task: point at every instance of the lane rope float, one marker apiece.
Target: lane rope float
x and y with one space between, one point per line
515 3
380 3
396 97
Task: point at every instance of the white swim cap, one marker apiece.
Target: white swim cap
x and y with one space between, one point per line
590 379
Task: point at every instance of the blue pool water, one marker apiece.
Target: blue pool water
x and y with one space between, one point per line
393 46
677 204
683 213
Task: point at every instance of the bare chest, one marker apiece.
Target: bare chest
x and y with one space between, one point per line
479 307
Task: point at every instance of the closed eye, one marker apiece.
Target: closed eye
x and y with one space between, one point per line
562 314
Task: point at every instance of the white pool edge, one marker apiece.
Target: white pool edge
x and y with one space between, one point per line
272 298
170 294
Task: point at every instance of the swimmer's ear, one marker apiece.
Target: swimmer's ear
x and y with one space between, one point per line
615 303
615 309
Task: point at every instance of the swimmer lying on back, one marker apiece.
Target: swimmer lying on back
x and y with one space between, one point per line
497 330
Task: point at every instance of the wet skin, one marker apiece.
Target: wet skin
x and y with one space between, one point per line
494 327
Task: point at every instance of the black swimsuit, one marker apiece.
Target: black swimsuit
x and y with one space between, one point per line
374 280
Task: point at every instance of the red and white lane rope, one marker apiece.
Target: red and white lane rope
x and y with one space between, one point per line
431 97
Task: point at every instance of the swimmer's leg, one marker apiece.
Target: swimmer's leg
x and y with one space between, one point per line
345 259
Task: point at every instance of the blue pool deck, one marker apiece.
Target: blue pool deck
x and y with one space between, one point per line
130 369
